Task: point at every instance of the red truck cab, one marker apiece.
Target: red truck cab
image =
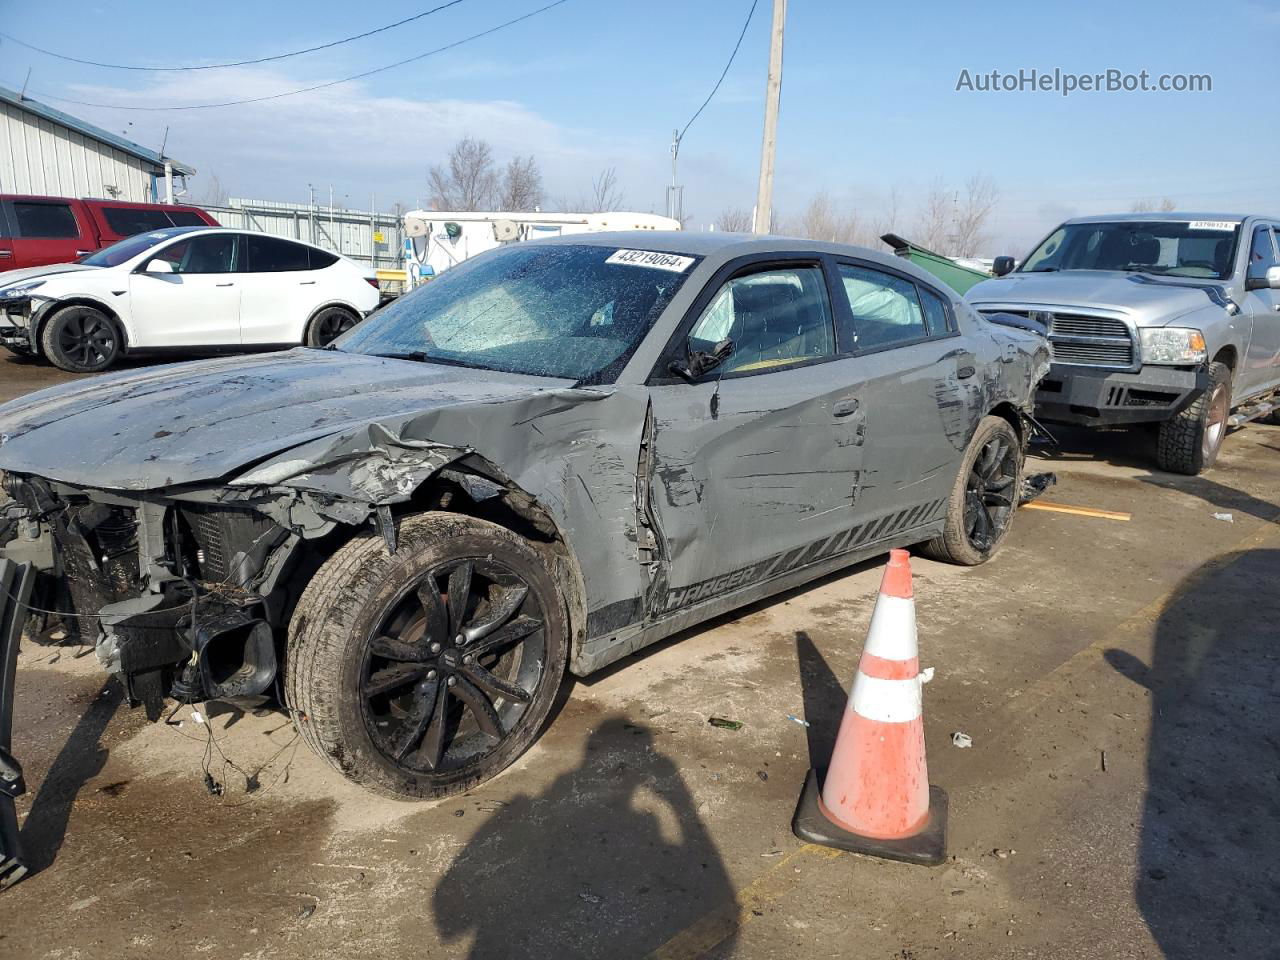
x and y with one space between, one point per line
35 231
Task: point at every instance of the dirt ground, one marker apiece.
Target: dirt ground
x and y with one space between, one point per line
1120 681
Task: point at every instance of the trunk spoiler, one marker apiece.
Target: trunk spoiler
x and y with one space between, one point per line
16 580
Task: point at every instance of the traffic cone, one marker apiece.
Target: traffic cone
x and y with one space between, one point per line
875 797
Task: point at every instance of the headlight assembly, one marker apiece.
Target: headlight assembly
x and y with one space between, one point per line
1178 346
20 289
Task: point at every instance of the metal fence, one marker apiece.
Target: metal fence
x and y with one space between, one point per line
364 236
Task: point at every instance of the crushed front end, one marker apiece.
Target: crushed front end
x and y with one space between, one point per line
179 593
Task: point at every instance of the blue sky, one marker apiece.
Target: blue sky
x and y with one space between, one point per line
869 106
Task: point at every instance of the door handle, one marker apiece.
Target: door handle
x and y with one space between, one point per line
306 283
83 253
844 407
224 284
5 254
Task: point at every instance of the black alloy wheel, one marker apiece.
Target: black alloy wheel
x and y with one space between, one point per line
453 663
991 492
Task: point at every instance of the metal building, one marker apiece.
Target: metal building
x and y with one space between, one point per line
46 152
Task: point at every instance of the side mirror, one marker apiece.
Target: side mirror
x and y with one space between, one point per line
1002 265
158 266
702 362
1273 278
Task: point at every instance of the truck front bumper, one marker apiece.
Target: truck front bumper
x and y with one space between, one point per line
1098 398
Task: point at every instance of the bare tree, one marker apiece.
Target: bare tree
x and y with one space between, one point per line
521 185
934 219
1146 205
605 193
823 219
468 181
735 220
887 222
214 194
973 213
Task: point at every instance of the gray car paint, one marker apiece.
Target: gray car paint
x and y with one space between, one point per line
716 508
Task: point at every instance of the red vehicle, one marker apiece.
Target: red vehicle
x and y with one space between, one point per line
36 231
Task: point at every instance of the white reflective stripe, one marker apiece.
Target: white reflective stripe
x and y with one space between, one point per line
888 701
893 629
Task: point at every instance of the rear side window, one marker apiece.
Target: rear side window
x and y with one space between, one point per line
127 221
885 308
185 218
271 255
44 220
321 259
937 317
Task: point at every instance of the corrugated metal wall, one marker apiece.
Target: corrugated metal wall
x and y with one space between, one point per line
41 157
372 238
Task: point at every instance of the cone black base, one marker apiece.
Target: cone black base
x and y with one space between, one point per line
927 848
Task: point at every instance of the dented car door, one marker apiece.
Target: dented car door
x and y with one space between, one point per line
754 466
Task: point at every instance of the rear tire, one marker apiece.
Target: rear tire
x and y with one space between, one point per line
329 324
984 497
1190 441
81 339
414 693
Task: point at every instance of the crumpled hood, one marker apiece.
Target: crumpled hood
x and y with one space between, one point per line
13 277
209 419
1150 302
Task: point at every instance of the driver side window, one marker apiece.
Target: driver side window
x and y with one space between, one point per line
1262 254
775 318
212 253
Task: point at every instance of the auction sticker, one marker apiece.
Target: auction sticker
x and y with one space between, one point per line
1214 224
650 258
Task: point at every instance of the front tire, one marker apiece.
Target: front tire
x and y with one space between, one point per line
984 497
329 324
80 339
424 673
1190 441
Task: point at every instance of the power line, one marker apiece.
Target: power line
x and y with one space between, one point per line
723 73
312 88
235 63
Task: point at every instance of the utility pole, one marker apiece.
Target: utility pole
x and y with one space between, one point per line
772 94
675 193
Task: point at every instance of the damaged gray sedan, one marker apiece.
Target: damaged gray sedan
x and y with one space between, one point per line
555 454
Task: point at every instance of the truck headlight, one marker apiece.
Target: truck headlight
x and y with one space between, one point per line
20 289
1179 346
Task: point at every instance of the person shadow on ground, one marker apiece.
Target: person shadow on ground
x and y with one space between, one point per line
1208 878
611 860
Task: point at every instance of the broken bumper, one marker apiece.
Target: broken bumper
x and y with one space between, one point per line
15 591
15 322
1096 398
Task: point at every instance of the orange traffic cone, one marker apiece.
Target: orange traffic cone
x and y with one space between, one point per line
875 797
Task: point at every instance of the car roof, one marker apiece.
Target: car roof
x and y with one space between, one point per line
1165 215
725 245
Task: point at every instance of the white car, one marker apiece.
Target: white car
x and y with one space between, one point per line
191 289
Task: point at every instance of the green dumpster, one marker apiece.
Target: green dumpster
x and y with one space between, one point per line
959 278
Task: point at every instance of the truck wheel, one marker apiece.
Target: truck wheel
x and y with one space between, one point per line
423 673
329 324
983 498
1189 442
80 339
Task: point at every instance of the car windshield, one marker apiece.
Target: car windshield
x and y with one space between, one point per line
130 247
1176 248
571 311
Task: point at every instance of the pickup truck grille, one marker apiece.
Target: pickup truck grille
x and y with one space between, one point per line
1084 340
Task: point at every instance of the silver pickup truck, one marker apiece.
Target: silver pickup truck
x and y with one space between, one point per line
1154 318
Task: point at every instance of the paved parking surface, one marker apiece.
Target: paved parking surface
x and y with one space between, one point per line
1120 681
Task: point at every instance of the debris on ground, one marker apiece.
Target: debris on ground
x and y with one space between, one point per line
725 724
590 898
1035 485
794 719
1225 517
962 740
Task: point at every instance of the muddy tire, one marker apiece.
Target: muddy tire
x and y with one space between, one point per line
422 674
984 497
1189 442
81 339
329 324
